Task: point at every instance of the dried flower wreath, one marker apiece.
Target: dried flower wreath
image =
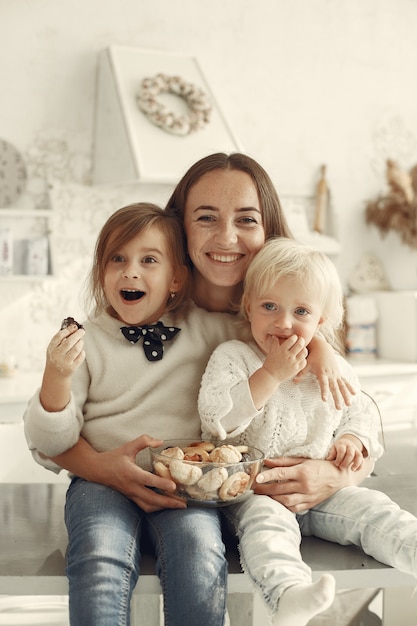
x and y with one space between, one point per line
160 115
398 209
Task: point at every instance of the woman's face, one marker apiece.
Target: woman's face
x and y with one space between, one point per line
223 223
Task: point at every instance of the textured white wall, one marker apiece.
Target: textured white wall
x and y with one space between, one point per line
301 82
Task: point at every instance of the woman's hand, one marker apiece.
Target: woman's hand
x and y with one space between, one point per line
322 363
117 469
300 484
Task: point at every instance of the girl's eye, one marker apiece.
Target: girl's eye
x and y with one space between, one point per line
117 258
149 259
301 311
269 306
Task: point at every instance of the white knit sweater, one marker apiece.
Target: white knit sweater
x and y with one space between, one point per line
118 395
294 422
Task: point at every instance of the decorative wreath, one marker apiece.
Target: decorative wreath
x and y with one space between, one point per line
159 114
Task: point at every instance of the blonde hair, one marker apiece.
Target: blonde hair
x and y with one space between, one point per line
120 228
281 257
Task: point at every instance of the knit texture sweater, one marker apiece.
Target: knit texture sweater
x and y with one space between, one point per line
118 395
294 422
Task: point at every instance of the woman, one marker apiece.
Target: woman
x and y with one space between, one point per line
229 207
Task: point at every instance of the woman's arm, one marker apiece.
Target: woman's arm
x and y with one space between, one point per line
117 469
300 484
322 362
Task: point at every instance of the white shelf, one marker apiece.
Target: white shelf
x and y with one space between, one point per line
25 213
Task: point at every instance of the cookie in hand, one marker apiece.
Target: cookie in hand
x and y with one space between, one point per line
68 321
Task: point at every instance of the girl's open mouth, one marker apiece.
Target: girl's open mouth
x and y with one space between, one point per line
132 294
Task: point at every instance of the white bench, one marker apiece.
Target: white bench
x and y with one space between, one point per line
33 541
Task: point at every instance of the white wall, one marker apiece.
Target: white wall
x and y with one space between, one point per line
302 82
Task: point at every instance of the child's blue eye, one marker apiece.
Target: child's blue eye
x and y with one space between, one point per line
269 306
301 311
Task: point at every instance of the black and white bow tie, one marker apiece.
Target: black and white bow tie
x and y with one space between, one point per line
153 336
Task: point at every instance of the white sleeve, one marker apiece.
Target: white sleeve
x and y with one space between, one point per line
225 403
361 418
52 433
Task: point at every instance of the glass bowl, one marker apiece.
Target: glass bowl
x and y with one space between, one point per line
208 473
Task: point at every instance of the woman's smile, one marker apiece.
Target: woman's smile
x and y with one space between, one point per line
225 258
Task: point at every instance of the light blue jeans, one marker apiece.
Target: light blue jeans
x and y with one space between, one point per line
269 535
103 560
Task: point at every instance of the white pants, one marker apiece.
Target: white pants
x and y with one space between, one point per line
270 535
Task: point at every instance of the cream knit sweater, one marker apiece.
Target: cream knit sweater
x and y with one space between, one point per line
294 422
118 395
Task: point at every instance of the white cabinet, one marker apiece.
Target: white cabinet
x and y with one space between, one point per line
17 464
393 386
15 392
25 238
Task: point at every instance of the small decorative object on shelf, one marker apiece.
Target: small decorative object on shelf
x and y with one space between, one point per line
7 363
368 275
322 202
159 114
361 319
6 252
12 174
25 244
397 210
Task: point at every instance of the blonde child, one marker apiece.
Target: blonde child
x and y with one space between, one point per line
248 395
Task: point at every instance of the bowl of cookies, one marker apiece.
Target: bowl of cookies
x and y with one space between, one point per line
208 473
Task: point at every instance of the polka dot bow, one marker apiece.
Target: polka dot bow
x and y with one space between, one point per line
153 336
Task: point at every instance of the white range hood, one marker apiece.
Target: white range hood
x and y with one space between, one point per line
128 147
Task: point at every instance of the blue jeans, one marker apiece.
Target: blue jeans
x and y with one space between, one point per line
270 535
104 552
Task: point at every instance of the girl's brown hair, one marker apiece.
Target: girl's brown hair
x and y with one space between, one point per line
273 218
119 229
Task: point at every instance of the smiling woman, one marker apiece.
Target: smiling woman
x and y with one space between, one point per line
242 207
229 207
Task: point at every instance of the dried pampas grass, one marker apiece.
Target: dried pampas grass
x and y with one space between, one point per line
397 211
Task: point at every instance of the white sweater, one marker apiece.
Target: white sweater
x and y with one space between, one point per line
118 395
294 422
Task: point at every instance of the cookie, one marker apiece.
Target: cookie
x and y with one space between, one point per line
68 321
